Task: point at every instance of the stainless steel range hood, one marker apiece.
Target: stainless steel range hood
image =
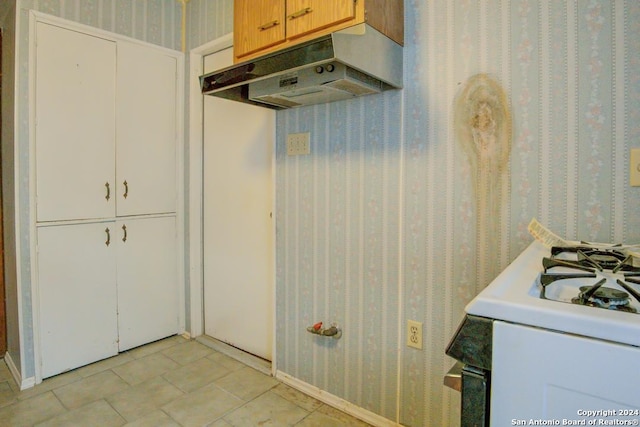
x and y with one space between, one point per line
352 62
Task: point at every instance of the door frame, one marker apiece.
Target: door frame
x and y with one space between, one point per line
196 192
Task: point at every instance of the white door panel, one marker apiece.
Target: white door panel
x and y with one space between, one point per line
238 229
77 295
147 280
146 131
75 137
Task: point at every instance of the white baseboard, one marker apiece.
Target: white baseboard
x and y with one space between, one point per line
248 359
335 401
22 383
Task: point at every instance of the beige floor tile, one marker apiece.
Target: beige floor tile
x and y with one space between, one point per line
31 411
50 384
140 370
103 365
187 352
7 394
154 419
220 423
304 401
326 416
202 407
144 398
98 413
246 383
154 347
196 374
5 373
226 361
89 389
268 409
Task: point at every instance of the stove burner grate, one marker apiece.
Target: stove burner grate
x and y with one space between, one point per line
587 262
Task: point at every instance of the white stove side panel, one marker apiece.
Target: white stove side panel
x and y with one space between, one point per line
543 375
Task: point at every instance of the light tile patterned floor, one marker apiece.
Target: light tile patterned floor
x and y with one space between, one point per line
173 382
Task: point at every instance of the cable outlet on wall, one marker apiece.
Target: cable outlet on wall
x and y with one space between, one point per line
414 334
298 143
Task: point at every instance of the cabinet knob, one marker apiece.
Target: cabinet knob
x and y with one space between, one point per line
126 189
108 196
124 228
106 230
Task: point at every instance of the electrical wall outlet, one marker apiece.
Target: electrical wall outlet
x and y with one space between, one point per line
414 334
634 168
298 143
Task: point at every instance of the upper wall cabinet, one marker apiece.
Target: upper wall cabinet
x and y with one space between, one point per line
262 24
268 26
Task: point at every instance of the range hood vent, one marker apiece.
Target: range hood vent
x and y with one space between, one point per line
352 62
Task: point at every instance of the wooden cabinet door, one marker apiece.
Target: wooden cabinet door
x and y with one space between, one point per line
147 280
257 25
77 295
305 16
146 131
75 125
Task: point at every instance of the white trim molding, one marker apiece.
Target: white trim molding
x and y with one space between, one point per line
335 401
196 135
22 383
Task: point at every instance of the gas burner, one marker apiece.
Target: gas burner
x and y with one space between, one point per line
568 271
603 297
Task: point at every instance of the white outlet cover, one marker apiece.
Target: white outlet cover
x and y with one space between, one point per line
414 334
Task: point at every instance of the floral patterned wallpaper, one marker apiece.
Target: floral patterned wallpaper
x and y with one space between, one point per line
378 224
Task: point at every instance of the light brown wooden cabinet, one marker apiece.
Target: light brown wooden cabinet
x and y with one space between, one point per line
270 25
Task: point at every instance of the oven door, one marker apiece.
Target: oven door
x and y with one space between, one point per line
544 375
474 385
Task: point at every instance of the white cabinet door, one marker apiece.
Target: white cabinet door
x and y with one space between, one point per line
146 131
75 133
147 280
77 295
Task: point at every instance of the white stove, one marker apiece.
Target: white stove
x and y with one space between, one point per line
537 348
515 296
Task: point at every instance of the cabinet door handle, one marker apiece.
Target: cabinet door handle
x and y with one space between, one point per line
124 228
126 188
106 230
268 25
108 196
300 13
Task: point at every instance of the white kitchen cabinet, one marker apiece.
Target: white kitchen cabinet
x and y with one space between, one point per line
145 131
106 140
105 287
74 133
106 127
147 280
77 294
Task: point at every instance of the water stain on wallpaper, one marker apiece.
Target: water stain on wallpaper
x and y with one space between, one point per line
482 123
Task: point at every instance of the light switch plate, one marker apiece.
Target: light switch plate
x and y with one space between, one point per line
634 168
